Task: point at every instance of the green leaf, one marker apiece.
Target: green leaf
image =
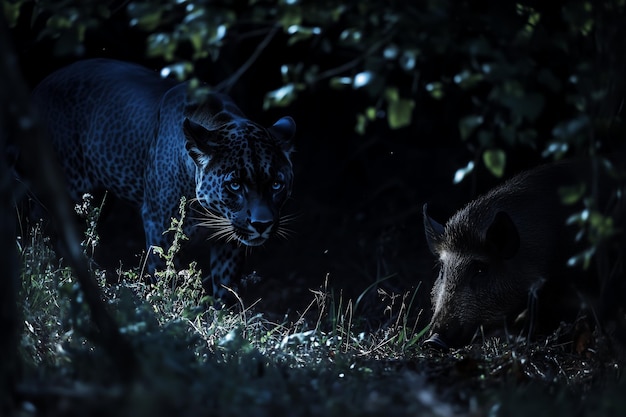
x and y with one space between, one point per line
59 22
179 70
601 224
467 79
161 44
582 259
361 124
570 128
11 12
555 149
292 16
392 94
340 82
145 15
400 113
435 89
299 33
571 195
196 38
527 105
282 96
468 124
495 161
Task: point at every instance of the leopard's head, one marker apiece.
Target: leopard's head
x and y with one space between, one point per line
243 176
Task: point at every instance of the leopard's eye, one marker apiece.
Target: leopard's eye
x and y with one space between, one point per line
234 186
278 185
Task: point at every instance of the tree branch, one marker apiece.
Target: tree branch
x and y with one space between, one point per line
37 161
227 84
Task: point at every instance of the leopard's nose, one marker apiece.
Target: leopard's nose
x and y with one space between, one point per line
262 226
260 218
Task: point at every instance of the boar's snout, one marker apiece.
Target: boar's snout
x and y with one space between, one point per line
448 333
436 342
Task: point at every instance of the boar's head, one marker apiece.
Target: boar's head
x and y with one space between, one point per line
481 279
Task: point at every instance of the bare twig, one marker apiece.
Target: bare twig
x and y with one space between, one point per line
353 63
227 84
119 7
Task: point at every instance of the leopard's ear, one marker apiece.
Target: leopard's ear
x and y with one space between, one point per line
200 142
284 131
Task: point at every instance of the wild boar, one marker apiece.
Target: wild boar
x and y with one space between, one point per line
502 249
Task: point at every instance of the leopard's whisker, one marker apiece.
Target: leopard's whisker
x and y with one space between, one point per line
232 237
284 233
213 223
219 234
223 228
290 218
223 232
211 220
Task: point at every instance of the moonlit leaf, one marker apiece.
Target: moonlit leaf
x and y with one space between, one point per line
362 79
282 96
468 124
11 12
466 79
573 194
391 52
495 161
461 173
361 124
556 149
340 82
400 113
571 127
180 70
435 89
408 60
391 94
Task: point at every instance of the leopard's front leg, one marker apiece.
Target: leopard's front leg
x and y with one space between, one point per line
225 259
226 266
154 228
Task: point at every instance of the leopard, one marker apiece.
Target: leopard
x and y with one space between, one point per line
151 140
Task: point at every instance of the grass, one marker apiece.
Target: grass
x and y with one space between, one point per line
195 359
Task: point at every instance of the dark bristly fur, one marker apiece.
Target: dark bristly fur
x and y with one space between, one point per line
505 244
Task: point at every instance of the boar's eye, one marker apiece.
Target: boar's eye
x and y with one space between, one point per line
477 273
477 268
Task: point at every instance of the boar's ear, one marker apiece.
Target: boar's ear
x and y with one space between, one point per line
502 237
434 231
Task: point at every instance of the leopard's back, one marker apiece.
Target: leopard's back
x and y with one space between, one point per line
103 115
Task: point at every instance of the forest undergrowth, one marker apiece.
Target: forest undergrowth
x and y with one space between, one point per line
197 358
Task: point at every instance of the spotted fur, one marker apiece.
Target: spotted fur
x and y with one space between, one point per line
121 127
